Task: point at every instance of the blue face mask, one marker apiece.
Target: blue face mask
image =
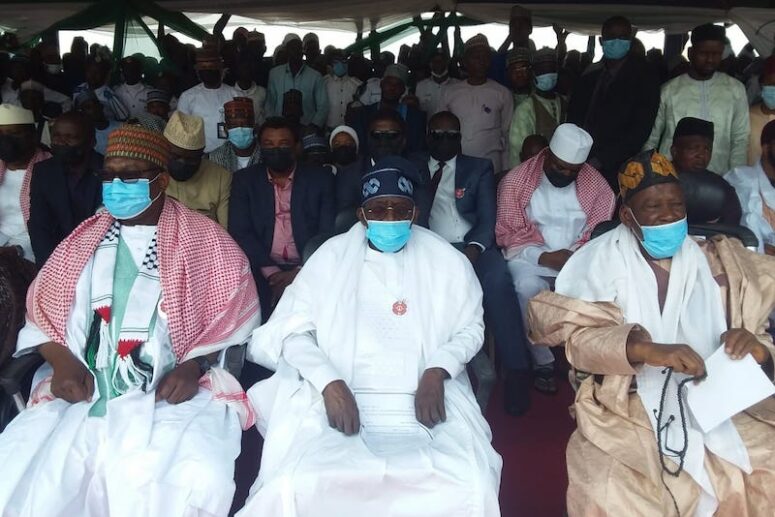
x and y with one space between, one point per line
340 69
241 137
546 82
616 48
663 241
127 200
768 96
389 236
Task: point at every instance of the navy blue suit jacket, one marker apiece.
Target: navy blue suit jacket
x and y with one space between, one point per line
252 210
475 195
53 213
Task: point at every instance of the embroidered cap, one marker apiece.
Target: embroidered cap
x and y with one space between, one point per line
398 70
644 170
133 141
391 176
518 55
690 126
240 108
185 131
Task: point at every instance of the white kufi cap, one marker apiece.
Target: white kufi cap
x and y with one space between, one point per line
571 144
11 115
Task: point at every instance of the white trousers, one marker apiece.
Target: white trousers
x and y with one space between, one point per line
529 280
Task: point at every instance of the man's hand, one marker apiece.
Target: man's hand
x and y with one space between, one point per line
11 251
472 252
179 385
681 358
555 259
740 342
429 399
341 409
561 33
279 281
72 381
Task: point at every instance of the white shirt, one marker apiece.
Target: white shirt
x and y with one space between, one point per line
10 96
13 231
258 95
445 220
372 93
429 92
134 97
243 161
137 239
558 215
341 92
208 104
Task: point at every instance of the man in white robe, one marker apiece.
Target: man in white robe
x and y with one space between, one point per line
370 411
130 415
547 208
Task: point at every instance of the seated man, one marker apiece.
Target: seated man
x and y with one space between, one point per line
381 321
706 193
532 145
277 206
622 306
547 208
755 190
386 137
130 416
196 182
242 149
65 190
463 213
19 152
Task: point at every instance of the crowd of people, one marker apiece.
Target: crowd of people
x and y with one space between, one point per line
376 216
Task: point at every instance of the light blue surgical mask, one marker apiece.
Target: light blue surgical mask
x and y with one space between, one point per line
663 241
389 236
241 137
768 96
616 48
127 199
339 68
546 82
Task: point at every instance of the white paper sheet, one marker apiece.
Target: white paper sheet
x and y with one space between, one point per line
388 423
732 386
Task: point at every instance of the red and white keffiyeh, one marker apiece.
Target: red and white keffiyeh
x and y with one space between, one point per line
514 230
24 195
209 295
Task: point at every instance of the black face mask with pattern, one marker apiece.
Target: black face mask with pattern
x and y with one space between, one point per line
11 148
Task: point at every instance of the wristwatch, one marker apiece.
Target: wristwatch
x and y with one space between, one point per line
203 363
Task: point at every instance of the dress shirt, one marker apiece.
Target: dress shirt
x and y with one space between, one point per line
313 93
429 93
208 104
445 220
341 92
283 246
111 103
134 97
258 95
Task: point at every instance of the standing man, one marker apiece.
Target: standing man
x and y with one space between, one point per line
196 182
463 213
133 92
484 105
242 149
544 110
207 98
704 92
429 90
97 72
370 346
297 75
341 89
616 100
65 190
277 207
547 209
89 104
19 153
520 29
247 87
519 75
131 313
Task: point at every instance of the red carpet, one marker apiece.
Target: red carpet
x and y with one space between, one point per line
534 477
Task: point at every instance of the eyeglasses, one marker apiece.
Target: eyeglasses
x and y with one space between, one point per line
385 135
439 134
108 176
380 212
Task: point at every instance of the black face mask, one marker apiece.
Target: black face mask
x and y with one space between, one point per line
444 148
278 159
11 148
210 78
68 153
181 170
344 155
559 179
383 144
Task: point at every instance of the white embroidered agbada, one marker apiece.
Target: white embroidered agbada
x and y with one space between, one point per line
612 269
755 191
341 300
134 456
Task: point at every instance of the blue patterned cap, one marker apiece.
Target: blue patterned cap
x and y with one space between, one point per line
391 176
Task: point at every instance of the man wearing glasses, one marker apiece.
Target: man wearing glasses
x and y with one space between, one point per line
130 414
462 200
370 407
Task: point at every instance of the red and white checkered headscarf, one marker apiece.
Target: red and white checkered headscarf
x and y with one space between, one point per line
513 229
24 196
207 287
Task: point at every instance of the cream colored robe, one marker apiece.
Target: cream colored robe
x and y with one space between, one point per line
613 463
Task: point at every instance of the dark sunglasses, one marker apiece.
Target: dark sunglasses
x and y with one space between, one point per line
385 135
438 134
